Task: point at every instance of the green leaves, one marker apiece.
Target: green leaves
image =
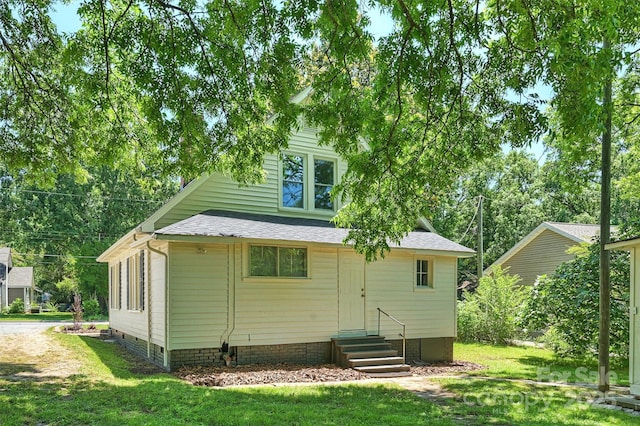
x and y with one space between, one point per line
566 302
187 87
491 313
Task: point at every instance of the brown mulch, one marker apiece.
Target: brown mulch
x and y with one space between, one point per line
291 373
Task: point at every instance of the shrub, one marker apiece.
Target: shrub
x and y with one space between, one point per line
50 306
567 305
491 313
76 308
91 308
17 306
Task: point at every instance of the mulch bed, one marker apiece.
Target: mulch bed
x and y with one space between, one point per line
291 373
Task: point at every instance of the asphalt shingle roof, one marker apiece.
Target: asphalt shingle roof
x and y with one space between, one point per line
582 231
21 277
5 252
215 223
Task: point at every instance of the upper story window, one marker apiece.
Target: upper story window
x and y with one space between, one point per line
302 175
323 174
293 181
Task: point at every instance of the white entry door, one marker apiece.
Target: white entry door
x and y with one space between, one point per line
351 291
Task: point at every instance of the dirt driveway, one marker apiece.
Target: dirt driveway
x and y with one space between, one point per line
30 353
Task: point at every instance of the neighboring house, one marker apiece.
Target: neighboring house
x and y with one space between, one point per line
540 252
15 281
633 245
258 273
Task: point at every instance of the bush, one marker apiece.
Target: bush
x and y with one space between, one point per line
50 307
491 313
17 306
566 304
91 308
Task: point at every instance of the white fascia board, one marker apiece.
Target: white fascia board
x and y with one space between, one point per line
623 245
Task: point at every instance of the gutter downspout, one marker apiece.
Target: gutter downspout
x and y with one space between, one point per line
231 295
6 286
166 304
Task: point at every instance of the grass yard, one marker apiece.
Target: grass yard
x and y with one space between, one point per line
535 364
43 316
104 390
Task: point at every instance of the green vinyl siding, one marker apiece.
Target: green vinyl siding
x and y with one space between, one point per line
220 192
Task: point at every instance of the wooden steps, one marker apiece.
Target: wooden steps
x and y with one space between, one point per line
371 355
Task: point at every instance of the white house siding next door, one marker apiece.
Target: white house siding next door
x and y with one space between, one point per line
351 291
634 344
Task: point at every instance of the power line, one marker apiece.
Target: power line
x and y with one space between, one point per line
56 255
472 219
106 197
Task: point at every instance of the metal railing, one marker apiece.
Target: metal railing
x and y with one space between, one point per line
403 334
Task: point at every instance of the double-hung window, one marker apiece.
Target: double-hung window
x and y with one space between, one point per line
303 175
135 281
424 273
114 273
293 181
275 261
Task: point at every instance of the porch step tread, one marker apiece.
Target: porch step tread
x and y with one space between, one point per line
370 354
360 362
391 368
359 347
389 375
346 340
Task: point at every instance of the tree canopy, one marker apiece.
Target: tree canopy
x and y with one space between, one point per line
186 87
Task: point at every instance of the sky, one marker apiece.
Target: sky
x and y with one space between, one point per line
66 17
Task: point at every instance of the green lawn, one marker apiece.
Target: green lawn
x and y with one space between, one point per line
43 316
535 364
105 391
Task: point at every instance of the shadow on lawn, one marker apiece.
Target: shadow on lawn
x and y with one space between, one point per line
8 368
162 399
122 363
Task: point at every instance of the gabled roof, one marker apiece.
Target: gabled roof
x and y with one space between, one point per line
21 277
148 224
578 232
228 224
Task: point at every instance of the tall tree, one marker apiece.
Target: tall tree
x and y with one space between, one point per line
446 87
60 230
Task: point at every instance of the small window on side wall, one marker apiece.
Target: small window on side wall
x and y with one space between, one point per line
424 273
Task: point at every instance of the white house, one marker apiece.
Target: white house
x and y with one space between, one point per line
259 273
16 282
633 246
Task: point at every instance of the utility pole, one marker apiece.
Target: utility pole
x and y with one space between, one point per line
605 231
480 242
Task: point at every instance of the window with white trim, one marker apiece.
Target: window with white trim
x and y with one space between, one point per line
293 181
135 282
114 281
275 261
307 181
323 176
424 273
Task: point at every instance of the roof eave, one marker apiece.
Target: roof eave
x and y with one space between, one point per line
623 245
232 239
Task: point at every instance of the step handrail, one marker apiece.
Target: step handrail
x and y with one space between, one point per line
403 334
